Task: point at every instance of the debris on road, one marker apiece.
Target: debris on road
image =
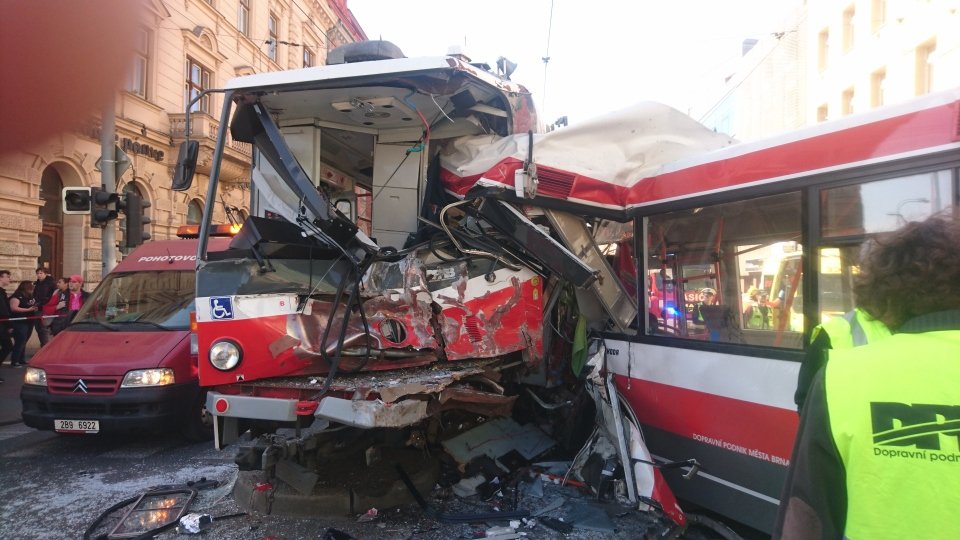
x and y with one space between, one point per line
194 523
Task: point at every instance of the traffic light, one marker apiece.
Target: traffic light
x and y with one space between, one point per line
76 200
104 208
133 205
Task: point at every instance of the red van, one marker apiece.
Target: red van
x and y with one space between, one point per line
128 360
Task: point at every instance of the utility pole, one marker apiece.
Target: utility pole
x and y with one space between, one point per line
108 177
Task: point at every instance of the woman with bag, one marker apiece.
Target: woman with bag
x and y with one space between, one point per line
50 308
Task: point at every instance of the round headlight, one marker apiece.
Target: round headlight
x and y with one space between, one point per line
225 355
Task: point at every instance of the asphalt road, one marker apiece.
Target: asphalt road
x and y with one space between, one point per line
56 486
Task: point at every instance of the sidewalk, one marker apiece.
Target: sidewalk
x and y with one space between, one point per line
10 390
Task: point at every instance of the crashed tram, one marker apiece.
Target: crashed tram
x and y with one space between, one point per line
413 249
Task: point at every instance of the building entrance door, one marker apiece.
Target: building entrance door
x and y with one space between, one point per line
51 213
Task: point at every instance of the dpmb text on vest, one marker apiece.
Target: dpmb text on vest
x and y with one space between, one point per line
897 431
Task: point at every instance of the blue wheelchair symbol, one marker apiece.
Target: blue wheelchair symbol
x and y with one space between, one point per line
221 308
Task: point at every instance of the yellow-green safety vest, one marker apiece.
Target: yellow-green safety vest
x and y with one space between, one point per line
853 329
894 411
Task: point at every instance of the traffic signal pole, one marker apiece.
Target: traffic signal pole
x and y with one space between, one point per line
108 177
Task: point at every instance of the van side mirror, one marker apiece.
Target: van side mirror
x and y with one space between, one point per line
186 165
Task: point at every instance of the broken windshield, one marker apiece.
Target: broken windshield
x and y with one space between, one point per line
302 276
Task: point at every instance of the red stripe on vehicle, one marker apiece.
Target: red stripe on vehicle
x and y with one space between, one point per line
910 132
752 429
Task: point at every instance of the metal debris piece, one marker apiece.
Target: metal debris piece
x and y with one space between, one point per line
502 533
497 437
468 486
534 488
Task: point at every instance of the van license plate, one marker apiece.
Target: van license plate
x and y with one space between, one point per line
76 426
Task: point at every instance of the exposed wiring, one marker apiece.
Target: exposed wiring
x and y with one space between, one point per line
440 108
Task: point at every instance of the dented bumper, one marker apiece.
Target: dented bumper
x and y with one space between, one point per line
356 413
390 399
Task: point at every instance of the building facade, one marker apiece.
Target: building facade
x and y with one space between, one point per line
183 48
829 59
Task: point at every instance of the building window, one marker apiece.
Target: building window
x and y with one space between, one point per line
849 15
198 80
878 82
925 67
822 113
309 59
243 17
273 28
823 50
846 102
137 83
879 12
194 212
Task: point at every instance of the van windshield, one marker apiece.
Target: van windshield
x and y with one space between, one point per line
148 299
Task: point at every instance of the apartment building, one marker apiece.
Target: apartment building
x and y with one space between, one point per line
183 48
831 58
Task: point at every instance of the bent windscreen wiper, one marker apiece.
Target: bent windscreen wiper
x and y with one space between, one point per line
151 323
104 324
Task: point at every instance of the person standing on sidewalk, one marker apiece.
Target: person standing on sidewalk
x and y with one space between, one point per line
43 289
22 304
6 344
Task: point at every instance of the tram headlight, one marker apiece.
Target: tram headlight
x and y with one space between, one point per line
225 355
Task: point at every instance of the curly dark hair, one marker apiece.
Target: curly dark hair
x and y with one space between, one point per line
912 271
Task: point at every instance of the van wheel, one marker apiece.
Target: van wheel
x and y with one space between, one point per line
198 425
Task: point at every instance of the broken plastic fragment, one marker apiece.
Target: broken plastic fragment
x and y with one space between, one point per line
370 515
194 523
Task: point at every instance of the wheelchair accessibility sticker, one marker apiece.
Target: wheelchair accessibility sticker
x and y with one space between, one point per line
221 308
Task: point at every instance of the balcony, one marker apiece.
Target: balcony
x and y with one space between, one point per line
203 128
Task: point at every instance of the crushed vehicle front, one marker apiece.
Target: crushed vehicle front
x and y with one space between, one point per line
341 277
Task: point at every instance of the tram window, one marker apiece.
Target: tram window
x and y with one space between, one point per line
883 205
838 267
729 272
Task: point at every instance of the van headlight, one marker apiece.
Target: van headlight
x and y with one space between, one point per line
225 355
35 376
147 377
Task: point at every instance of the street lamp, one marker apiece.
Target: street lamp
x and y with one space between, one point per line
900 219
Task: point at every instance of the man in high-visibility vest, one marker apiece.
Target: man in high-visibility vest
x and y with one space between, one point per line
878 451
853 329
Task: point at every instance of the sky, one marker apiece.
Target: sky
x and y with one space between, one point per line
604 54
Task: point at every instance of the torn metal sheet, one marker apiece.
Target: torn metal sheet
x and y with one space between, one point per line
371 414
388 385
491 314
496 438
468 399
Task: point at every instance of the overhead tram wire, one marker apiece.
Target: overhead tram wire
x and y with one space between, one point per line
546 61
